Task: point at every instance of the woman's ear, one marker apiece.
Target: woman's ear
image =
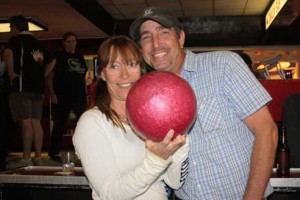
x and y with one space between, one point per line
102 76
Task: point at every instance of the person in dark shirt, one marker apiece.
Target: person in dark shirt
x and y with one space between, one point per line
24 58
6 122
291 120
66 75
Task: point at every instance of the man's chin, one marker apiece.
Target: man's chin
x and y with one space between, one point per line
160 67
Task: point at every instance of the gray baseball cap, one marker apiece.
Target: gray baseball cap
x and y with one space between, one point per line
161 15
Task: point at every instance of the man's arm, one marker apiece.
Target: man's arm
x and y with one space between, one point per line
263 155
9 62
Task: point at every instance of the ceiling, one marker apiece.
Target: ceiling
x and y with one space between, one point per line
208 23
129 9
57 14
61 16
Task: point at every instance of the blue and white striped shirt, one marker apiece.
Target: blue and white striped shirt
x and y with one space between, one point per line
221 144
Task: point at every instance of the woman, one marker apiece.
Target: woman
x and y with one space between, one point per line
118 163
67 88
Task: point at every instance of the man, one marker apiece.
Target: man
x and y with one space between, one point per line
24 59
66 78
234 138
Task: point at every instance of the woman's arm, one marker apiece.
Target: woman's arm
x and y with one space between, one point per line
178 170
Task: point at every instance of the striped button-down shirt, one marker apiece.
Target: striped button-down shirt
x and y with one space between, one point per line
221 143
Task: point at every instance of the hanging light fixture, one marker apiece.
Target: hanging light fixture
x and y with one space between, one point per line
33 24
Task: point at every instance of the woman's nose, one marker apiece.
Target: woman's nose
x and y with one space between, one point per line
124 72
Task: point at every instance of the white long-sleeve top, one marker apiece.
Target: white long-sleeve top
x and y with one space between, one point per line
117 164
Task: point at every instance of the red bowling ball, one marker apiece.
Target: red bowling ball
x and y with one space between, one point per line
158 102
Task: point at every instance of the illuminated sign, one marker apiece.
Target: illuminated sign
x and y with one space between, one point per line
273 11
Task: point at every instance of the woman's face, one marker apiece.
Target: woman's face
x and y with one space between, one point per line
70 44
120 76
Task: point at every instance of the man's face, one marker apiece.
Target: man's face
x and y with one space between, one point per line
161 47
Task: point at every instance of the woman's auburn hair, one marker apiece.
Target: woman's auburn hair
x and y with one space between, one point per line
108 51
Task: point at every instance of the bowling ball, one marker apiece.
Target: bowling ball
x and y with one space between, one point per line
160 101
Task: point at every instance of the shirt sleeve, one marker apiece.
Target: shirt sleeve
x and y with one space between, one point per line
96 154
11 44
245 92
178 170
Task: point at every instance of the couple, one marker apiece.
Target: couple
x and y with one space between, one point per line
232 143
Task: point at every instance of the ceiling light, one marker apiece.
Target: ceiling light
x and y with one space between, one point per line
33 25
273 11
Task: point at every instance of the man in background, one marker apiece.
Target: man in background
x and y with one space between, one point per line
24 58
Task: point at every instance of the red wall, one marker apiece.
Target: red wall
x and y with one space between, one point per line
279 90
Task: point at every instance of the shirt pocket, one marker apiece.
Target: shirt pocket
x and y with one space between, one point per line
210 115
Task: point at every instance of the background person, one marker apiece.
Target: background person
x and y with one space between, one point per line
24 58
66 80
234 138
118 163
6 122
291 120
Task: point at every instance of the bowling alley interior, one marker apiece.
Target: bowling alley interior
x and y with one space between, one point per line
267 31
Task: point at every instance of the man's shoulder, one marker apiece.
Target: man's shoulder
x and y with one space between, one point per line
27 40
210 61
215 58
26 36
215 54
13 43
14 39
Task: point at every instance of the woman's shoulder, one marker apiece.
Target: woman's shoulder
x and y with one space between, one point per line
91 121
93 112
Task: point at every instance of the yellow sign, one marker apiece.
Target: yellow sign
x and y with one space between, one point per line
273 11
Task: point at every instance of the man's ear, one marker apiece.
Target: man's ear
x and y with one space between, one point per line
182 38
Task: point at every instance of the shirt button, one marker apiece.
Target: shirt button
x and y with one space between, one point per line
198 186
194 163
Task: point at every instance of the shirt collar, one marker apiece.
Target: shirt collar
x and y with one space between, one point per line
189 62
25 33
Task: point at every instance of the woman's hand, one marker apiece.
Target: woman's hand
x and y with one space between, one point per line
167 146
